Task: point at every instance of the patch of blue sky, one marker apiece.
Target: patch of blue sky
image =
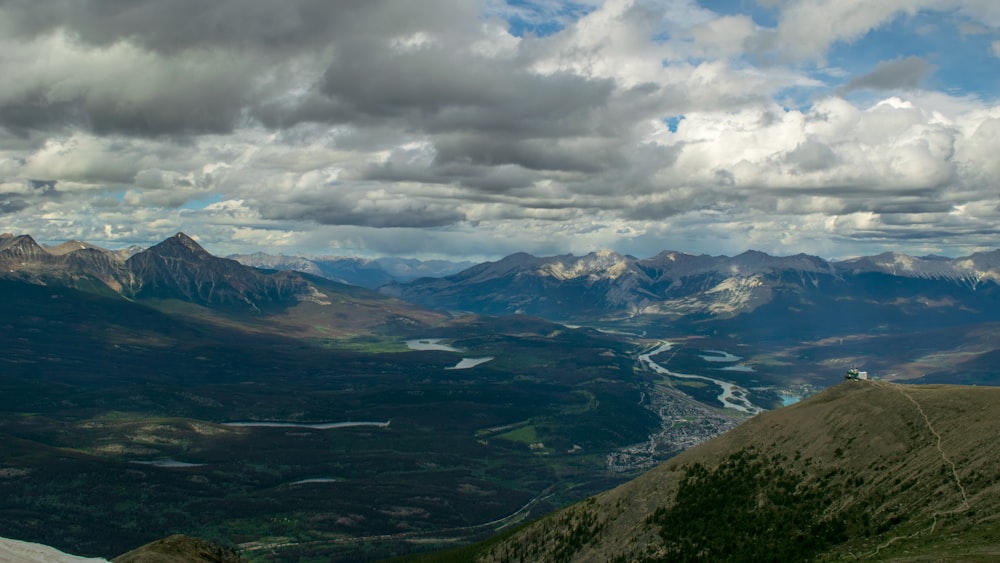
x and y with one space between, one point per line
541 17
202 202
801 98
764 17
963 63
672 122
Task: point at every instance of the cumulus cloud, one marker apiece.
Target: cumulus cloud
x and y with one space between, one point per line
456 127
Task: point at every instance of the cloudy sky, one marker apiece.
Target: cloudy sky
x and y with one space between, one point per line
478 128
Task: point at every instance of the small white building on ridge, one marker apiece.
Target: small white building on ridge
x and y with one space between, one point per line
854 373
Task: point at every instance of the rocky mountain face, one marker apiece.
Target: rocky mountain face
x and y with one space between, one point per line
177 268
71 264
673 284
180 268
863 470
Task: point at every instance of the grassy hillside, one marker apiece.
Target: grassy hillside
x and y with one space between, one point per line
866 470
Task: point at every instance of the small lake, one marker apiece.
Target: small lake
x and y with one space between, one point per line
168 463
430 344
789 399
314 480
311 425
741 367
720 356
467 363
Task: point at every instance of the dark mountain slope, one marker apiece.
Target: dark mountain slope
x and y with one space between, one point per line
178 275
180 268
866 470
674 285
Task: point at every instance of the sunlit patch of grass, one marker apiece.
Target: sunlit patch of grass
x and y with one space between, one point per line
526 435
369 344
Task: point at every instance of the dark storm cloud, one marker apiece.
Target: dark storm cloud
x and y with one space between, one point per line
169 26
37 190
160 115
487 179
478 112
898 74
34 111
363 205
181 67
570 155
9 204
888 209
385 214
443 88
213 109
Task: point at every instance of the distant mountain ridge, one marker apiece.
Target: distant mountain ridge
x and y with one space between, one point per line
603 285
610 285
370 273
175 268
178 269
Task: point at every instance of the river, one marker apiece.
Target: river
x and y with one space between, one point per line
732 397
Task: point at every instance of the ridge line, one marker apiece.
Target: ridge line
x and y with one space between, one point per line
954 471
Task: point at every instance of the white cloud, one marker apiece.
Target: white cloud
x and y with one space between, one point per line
431 129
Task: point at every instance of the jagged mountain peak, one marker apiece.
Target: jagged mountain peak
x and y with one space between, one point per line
180 243
179 267
71 246
22 250
601 264
755 261
24 241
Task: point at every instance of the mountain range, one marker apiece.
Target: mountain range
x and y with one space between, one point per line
856 309
601 285
177 267
609 285
370 273
179 272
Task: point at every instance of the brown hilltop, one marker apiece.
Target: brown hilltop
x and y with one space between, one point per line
180 549
867 470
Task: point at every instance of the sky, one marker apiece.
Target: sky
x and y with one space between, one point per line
473 129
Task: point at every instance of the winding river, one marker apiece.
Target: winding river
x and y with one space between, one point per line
732 397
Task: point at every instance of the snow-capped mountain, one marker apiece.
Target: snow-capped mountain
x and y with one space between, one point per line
972 271
610 285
